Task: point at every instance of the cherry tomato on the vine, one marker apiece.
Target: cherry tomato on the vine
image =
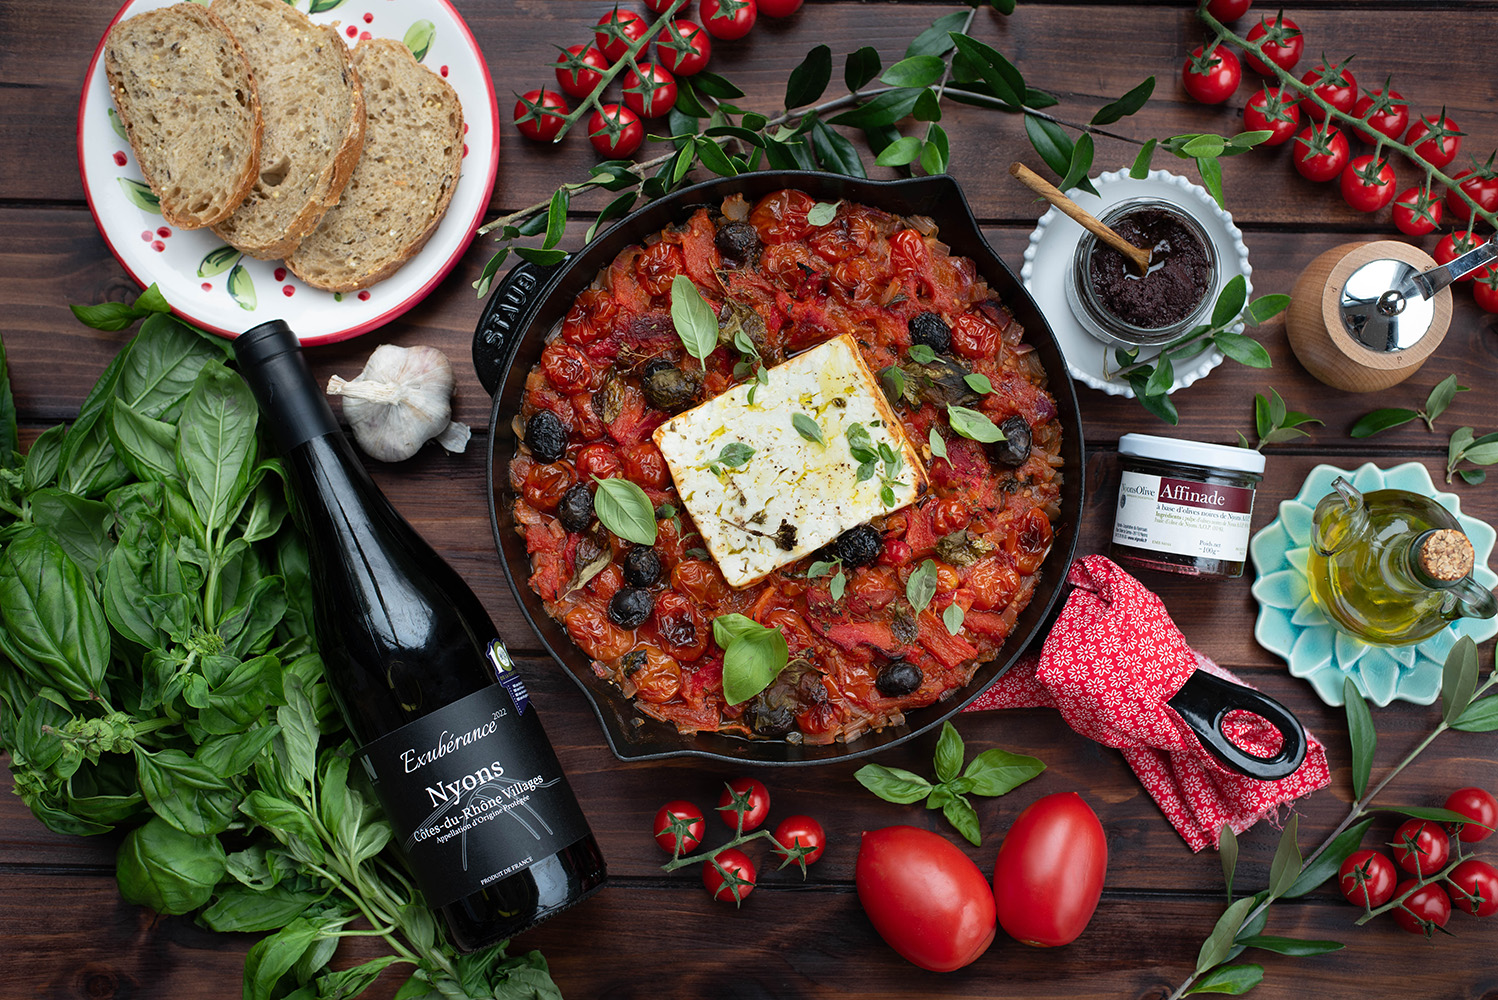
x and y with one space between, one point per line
1453 245
1320 152
653 96
1474 888
1428 908
1485 292
579 68
539 114
1334 85
1421 847
1211 76
744 795
1228 10
1273 110
1368 185
729 875
679 826
657 6
684 48
801 832
617 31
1481 185
779 8
1436 139
1367 878
925 897
1417 211
1386 113
615 130
728 19
1477 804
1283 44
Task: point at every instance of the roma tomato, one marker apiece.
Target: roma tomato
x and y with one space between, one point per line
1474 888
1228 10
728 19
802 837
1275 111
1416 212
1211 76
1485 292
1435 138
1453 245
617 31
1481 185
579 69
1049 874
1368 185
1367 878
925 897
1283 44
746 796
615 130
1477 804
539 114
1428 908
729 875
1334 85
1386 113
1320 152
1421 847
779 8
684 48
679 826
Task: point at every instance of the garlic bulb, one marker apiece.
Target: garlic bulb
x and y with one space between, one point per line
402 399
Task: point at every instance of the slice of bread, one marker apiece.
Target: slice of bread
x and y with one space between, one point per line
188 102
413 153
313 108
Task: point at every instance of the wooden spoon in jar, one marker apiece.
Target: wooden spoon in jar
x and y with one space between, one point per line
1052 194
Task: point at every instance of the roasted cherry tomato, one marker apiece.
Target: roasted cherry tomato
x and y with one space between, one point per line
1283 44
1478 805
779 8
1211 77
1474 888
1421 846
579 69
598 460
1368 185
925 897
1436 139
1416 212
746 796
1275 111
658 6
615 130
1425 910
802 837
1320 152
679 826
1367 878
1481 185
1453 245
1485 292
684 48
1228 10
727 19
617 31
651 96
539 114
729 875
1334 85
1049 874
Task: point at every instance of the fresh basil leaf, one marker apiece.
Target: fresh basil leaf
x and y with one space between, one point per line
734 455
1230 979
915 71
1361 734
862 66
837 585
964 819
1325 865
216 444
952 618
623 508
921 354
949 753
753 656
973 425
808 428
920 588
938 445
170 871
809 79
186 793
148 447
978 382
243 910
353 981
1126 105
53 622
822 213
694 319
998 772
272 957
42 460
893 784
81 527
820 568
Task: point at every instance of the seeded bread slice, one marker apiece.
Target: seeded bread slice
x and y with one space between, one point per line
413 153
189 105
313 108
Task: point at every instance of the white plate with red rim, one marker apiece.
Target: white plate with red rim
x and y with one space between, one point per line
212 285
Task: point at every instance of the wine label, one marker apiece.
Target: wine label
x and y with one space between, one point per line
1183 516
474 791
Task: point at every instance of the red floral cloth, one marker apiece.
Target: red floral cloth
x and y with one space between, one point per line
1109 665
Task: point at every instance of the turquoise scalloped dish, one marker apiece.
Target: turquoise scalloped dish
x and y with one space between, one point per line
1290 625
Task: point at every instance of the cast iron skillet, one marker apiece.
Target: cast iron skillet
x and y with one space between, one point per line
530 302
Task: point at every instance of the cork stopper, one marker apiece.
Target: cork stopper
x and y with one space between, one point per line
1446 556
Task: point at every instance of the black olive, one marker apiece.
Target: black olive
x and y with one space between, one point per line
575 510
1014 450
859 546
632 661
668 387
737 241
629 607
898 677
546 436
642 566
929 329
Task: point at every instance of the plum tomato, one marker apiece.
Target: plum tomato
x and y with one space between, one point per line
727 19
1368 185
747 797
1426 909
1453 245
1481 185
1049 873
1211 76
779 8
926 898
729 875
1273 110
617 31
651 92
1386 113
1320 152
684 48
1436 139
1474 888
1416 212
539 114
1478 805
802 837
1334 85
615 130
579 68
1421 846
679 826
1485 292
1228 10
1283 44
1367 878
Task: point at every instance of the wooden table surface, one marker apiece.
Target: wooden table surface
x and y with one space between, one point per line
67 934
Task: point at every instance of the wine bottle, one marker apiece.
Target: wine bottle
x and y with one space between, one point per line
447 735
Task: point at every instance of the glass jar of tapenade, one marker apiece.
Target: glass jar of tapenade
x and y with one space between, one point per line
1122 308
1184 506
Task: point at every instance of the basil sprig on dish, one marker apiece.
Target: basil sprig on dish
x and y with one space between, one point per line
623 508
753 656
694 319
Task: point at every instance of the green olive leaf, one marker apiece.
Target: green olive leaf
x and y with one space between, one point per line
1285 868
1227 850
623 508
695 321
1361 734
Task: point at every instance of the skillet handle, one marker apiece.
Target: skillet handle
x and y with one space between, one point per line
506 317
1206 699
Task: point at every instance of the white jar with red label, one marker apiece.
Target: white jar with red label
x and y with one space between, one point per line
1184 506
